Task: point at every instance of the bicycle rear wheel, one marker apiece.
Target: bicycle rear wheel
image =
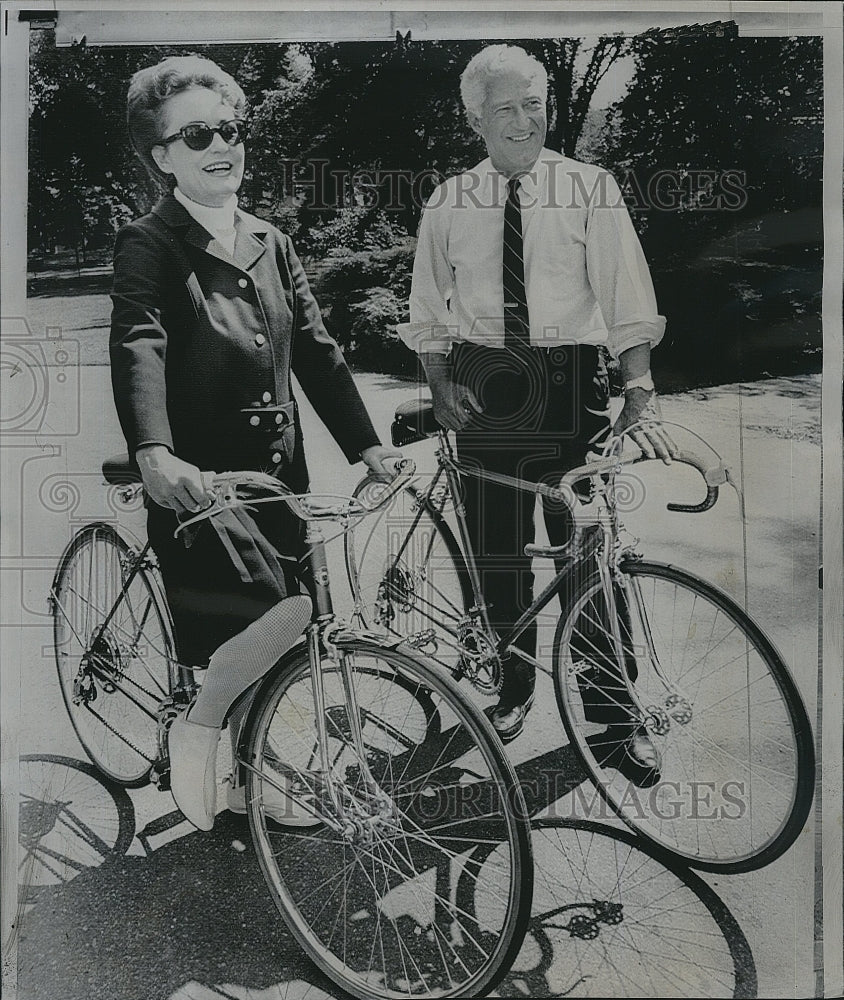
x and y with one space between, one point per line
407 574
114 678
371 893
735 744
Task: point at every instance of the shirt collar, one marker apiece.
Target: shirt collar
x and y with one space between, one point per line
214 219
532 181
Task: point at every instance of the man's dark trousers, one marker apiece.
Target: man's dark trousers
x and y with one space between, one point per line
543 410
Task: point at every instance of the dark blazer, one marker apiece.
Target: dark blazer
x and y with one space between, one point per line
202 345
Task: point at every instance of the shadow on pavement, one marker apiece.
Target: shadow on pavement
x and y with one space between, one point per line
117 927
190 918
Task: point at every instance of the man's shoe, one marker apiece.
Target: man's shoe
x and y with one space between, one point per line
281 809
631 751
509 720
193 770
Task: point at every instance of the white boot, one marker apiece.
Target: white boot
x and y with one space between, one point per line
193 770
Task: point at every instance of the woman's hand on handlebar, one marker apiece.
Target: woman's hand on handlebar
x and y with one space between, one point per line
172 482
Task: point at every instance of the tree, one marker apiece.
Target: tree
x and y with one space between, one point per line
718 145
571 89
750 105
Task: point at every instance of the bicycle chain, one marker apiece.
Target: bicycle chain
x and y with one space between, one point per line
120 736
124 677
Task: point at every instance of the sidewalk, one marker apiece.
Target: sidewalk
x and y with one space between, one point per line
766 431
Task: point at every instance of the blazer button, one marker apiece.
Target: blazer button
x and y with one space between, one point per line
260 339
243 282
267 397
279 418
255 420
276 457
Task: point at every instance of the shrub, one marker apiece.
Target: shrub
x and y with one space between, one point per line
364 295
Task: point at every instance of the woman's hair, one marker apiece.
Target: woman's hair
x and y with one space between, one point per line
151 87
491 62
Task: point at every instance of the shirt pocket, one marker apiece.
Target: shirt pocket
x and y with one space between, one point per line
559 254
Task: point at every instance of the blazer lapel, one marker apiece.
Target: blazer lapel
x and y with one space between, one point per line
199 236
248 244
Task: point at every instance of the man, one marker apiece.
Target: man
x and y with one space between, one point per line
526 265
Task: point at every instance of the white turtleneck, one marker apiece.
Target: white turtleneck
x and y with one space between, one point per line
219 221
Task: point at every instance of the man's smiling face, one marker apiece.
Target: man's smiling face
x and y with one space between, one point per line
512 122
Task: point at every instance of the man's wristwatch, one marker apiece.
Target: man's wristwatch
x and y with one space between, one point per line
641 382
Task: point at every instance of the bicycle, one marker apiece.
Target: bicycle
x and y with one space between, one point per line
737 759
403 773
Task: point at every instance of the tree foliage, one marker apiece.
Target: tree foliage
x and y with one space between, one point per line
719 145
748 105
347 140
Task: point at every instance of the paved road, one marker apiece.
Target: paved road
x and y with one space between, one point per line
180 915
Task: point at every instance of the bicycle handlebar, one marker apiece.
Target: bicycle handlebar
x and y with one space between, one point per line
713 476
305 506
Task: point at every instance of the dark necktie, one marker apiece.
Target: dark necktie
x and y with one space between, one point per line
516 324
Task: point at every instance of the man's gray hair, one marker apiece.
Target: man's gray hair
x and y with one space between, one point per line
491 62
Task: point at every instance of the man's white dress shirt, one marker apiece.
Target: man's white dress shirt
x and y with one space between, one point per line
586 276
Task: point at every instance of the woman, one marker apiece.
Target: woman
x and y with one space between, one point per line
211 313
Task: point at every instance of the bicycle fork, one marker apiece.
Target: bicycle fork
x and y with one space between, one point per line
675 706
355 817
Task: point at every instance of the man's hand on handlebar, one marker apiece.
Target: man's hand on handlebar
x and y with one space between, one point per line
381 461
172 482
454 405
652 438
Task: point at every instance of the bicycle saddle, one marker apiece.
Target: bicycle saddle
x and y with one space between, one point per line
119 471
414 421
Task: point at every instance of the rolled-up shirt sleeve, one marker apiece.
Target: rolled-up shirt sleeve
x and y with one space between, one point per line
431 328
618 272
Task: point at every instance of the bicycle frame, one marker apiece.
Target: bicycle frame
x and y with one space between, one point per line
182 682
585 543
320 633
593 543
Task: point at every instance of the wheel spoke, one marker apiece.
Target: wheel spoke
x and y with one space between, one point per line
729 711
412 920
112 652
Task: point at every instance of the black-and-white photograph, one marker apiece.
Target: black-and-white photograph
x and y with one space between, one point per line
421 565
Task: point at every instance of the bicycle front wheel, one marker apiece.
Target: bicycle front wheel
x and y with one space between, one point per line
112 678
371 891
407 574
735 747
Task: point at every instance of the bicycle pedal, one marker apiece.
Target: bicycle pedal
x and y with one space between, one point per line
160 776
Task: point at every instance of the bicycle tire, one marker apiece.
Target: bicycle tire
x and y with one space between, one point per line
612 916
129 672
428 587
398 931
749 749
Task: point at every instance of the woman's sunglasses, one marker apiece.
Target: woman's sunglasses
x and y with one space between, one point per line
199 136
